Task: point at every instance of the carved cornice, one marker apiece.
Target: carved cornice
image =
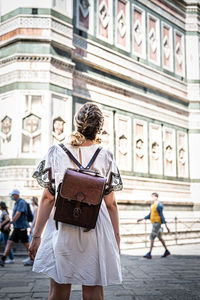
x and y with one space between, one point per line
35 22
87 79
59 63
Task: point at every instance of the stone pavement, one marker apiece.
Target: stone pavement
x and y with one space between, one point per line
176 277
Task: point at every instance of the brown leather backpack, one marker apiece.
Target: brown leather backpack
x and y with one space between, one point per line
79 194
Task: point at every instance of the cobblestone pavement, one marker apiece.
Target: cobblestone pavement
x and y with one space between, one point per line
176 277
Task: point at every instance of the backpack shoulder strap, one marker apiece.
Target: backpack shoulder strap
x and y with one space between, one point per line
93 158
71 156
76 161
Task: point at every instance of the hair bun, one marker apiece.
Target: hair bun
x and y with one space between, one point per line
77 138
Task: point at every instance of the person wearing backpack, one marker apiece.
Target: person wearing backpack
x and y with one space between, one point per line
68 254
20 224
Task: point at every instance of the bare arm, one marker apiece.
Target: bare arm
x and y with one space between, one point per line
34 221
114 216
44 210
167 228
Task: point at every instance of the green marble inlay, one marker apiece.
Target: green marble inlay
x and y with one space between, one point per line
194 131
35 86
194 105
34 48
19 162
196 81
40 11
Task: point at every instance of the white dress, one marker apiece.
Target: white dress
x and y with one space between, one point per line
69 254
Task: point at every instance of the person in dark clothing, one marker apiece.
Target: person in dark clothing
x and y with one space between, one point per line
20 223
4 235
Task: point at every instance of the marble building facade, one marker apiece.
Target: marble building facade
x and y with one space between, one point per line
140 60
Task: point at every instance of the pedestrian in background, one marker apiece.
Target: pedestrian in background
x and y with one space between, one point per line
72 255
157 218
34 202
5 220
20 223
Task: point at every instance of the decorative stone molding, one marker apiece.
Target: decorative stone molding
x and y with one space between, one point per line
121 23
84 7
104 13
59 63
17 172
137 32
169 153
58 129
78 42
153 40
181 156
35 22
166 47
155 150
139 147
83 77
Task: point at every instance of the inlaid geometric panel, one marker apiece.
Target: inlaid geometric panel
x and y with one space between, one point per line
179 53
153 39
182 154
140 146
139 25
167 48
122 23
169 152
107 132
6 125
85 11
31 123
58 129
59 121
104 20
33 104
5 134
31 134
155 149
123 142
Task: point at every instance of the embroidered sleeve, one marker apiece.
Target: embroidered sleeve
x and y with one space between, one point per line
44 173
114 181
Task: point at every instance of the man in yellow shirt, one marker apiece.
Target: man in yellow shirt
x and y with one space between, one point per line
157 218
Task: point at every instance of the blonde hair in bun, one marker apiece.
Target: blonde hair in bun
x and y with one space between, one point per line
77 139
88 122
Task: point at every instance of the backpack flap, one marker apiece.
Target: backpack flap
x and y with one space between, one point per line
82 187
